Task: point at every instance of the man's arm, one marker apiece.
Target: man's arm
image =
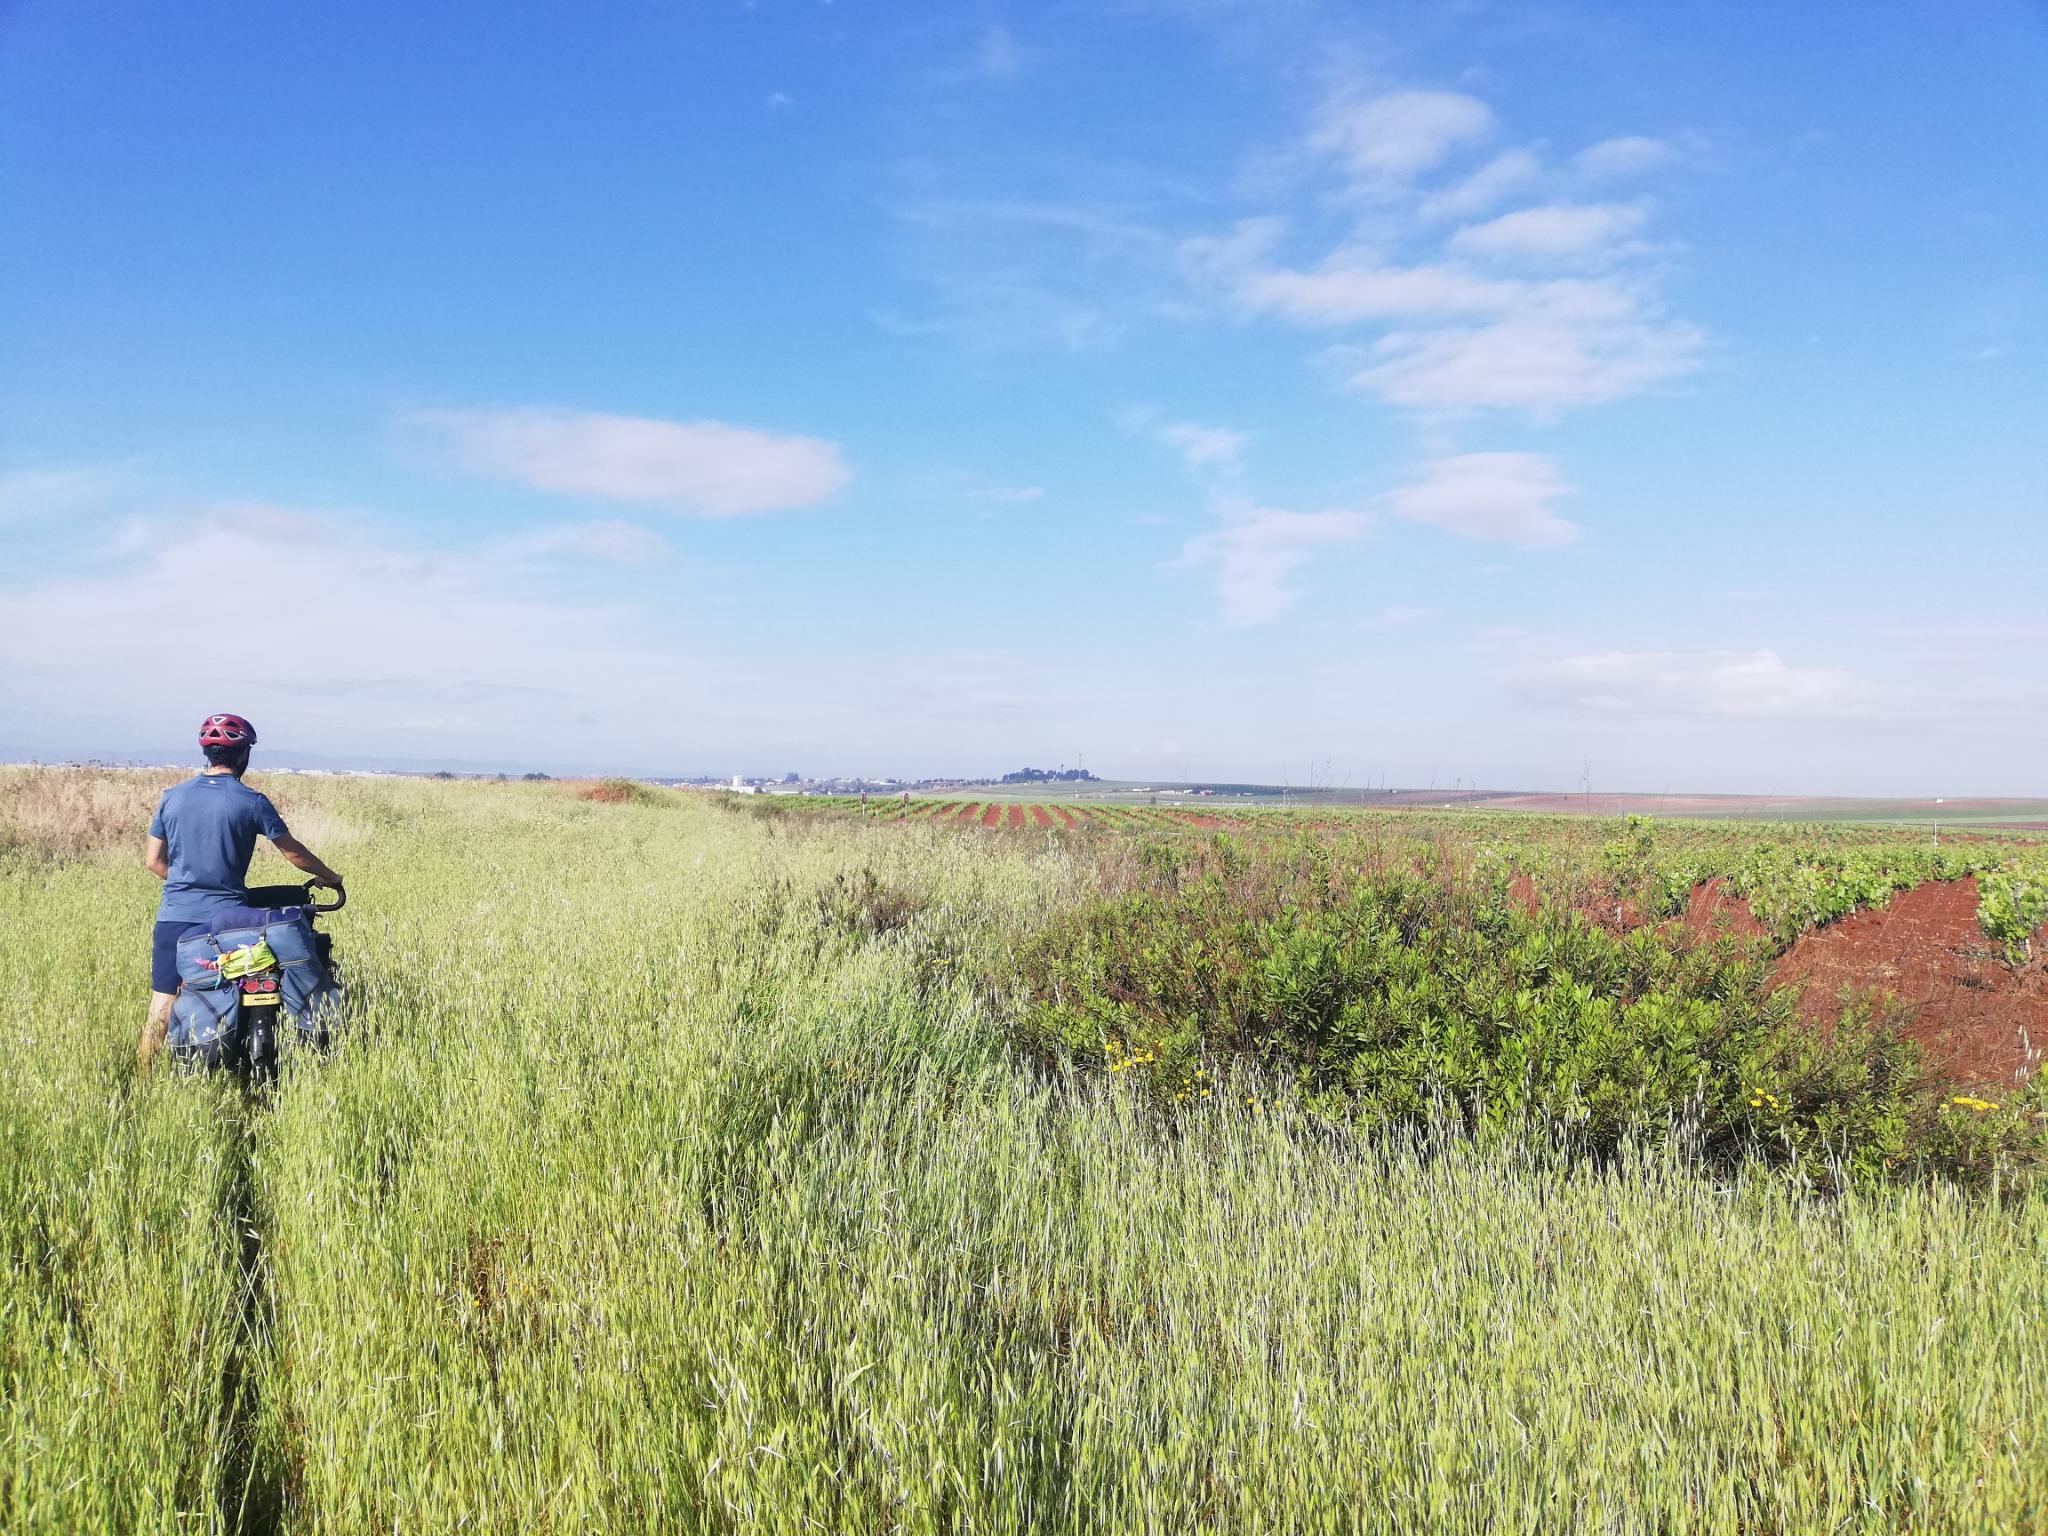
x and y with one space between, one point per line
154 859
300 857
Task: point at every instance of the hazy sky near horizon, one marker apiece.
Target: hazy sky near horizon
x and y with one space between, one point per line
1511 393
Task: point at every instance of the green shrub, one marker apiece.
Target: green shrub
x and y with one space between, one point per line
1386 997
765 807
628 792
2012 909
865 904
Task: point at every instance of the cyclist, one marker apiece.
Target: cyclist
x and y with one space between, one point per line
200 843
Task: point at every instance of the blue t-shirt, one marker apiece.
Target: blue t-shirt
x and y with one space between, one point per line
211 824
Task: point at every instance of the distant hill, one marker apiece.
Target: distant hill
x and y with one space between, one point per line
1050 776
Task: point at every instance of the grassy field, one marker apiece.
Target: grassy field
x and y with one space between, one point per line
700 1168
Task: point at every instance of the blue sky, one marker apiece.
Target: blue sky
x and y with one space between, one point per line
1498 393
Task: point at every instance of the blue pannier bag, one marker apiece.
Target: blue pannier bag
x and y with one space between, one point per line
208 1019
206 1025
196 958
312 997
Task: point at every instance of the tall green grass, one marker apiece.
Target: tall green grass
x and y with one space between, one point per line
122 1304
680 1175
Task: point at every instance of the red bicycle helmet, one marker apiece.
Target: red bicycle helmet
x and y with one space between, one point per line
226 731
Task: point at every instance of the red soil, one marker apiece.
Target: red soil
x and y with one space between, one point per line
969 812
1065 815
1039 817
993 815
1016 816
1617 917
1709 913
605 794
1712 911
1978 1020
1975 1016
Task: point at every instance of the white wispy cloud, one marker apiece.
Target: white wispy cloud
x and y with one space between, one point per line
608 540
1348 287
1392 138
1556 230
1537 363
995 316
1013 495
1479 319
1254 555
458 644
1200 447
1614 159
1757 684
1499 497
31 494
1063 272
1461 340
975 487
1506 174
700 468
477 651
1212 454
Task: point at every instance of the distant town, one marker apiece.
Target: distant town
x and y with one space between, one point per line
787 784
797 784
1081 784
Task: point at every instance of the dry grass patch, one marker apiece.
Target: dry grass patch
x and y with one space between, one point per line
73 814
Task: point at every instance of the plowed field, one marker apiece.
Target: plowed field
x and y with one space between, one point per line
1973 1013
1001 815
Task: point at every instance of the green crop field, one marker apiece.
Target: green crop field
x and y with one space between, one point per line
698 1166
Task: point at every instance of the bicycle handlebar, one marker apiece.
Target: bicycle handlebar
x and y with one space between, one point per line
300 896
340 898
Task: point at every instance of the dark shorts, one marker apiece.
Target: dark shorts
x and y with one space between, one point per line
163 947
